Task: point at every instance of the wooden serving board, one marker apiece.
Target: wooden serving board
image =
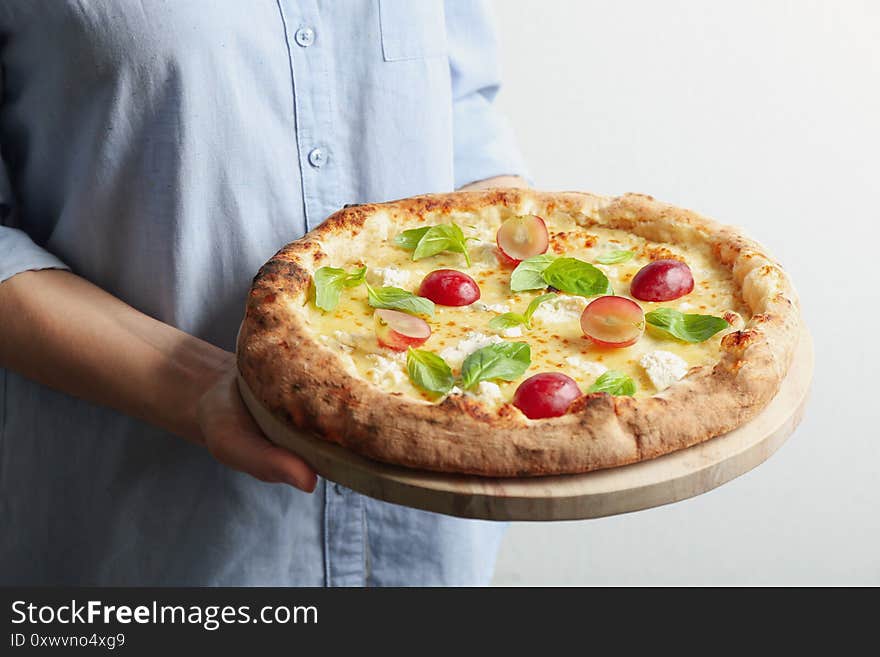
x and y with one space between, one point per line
663 480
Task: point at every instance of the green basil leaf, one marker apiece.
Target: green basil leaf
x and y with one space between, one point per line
328 283
428 371
355 278
527 275
409 239
615 257
439 238
505 360
533 306
690 328
395 298
577 277
506 321
614 383
509 320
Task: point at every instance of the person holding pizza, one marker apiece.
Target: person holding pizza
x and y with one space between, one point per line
154 156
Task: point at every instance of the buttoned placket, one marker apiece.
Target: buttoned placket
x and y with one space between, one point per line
310 69
310 66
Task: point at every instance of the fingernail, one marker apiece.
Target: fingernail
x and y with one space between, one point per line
305 484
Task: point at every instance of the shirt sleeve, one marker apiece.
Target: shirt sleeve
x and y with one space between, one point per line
18 252
484 145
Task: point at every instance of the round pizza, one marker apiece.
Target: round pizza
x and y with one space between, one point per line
517 332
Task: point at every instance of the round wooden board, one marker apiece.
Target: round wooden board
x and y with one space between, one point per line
663 480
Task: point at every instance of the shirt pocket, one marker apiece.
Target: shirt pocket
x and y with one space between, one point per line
412 29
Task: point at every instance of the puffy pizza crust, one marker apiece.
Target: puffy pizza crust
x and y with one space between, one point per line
305 384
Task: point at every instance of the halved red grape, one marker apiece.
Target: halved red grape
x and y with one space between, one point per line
613 321
396 330
522 237
505 260
449 287
662 280
548 394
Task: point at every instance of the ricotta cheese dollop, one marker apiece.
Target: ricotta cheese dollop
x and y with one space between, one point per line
348 342
589 368
493 307
486 391
484 253
387 370
564 308
489 393
663 368
389 277
454 355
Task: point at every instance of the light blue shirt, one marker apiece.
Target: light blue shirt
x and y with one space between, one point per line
164 150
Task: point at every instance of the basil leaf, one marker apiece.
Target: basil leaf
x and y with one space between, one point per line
439 238
533 306
504 360
690 328
615 257
355 278
527 275
509 320
576 277
506 321
395 298
614 383
328 284
409 239
428 371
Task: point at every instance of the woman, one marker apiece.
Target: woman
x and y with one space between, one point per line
156 154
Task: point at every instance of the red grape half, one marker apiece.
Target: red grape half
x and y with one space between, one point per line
449 287
396 330
662 280
612 321
522 237
548 394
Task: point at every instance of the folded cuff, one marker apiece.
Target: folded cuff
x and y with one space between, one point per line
19 253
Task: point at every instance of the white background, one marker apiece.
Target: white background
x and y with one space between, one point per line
761 114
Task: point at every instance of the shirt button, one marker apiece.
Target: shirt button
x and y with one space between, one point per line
317 157
339 489
305 36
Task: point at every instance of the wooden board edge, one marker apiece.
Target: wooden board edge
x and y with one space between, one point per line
482 498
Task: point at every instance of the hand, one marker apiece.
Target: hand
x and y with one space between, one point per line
233 437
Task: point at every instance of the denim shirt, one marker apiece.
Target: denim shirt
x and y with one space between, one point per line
164 150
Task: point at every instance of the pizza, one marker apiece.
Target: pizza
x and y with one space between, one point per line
517 332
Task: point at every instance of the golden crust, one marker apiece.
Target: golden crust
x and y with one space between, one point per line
305 384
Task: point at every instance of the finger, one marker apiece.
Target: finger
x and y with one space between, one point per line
234 438
252 453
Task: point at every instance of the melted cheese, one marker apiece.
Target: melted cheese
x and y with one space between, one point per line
556 340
